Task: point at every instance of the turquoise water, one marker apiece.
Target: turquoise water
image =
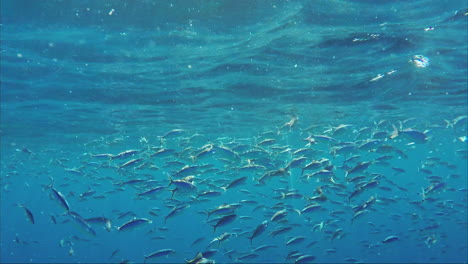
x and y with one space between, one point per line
374 94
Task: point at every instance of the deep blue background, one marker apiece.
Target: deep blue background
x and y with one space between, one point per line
85 77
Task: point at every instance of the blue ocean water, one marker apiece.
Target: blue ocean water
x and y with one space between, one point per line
122 110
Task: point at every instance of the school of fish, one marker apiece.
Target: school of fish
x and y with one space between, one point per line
289 194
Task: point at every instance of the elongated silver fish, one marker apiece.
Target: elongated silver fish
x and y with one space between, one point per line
134 223
259 230
58 196
159 253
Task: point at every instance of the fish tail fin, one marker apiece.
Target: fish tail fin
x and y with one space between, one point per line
193 158
224 188
298 211
170 180
207 214
283 195
394 133
251 238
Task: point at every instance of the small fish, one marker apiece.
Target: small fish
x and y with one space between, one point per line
247 256
209 193
304 259
173 133
175 211
88 193
221 238
359 213
259 230
227 219
197 241
159 253
58 196
195 259
125 154
131 162
280 230
223 209
295 240
390 239
264 247
134 223
361 166
163 153
28 213
150 192
413 135
235 183
278 216
337 234
101 220
81 222
114 253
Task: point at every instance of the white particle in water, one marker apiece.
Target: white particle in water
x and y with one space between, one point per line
19 55
111 12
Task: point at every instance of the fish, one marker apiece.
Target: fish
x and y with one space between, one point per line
360 167
163 153
223 209
260 229
295 240
197 241
182 186
125 154
221 238
390 239
88 193
247 257
264 247
198 257
81 222
175 211
129 163
235 183
28 213
279 215
227 219
159 253
311 208
210 194
150 192
101 220
134 223
304 259
280 230
60 198
412 135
